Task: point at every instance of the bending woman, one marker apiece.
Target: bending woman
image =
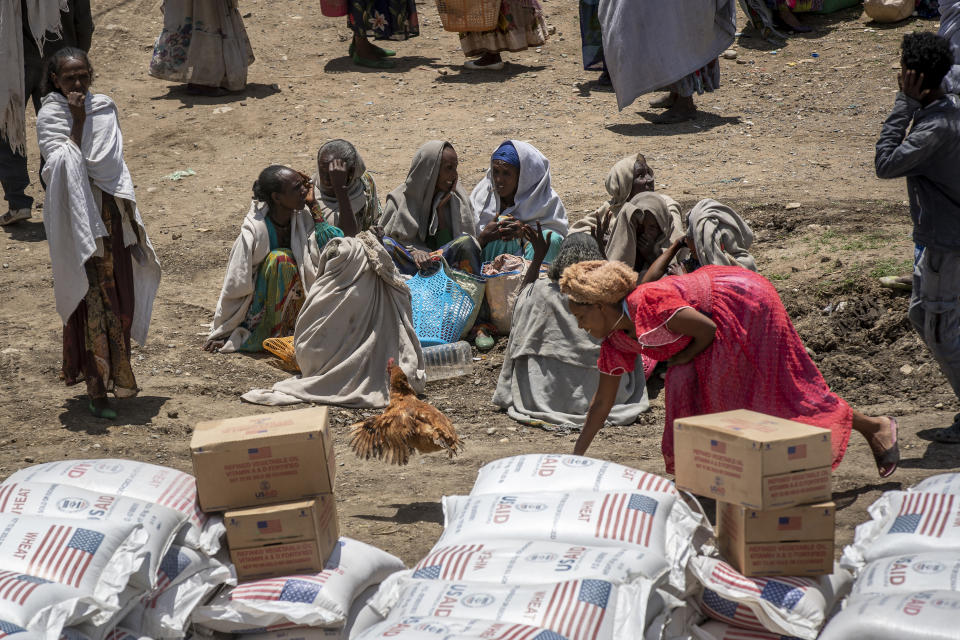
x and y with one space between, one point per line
729 344
549 371
269 266
105 271
430 214
517 191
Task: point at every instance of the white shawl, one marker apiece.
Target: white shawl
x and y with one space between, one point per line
76 179
535 201
249 250
950 29
43 16
647 45
720 236
355 318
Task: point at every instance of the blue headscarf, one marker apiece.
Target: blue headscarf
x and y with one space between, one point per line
508 153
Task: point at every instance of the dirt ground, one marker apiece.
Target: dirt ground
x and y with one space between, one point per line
795 124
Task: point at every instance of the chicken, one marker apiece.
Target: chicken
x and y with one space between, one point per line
405 426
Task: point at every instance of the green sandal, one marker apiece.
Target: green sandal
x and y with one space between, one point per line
379 63
106 413
385 53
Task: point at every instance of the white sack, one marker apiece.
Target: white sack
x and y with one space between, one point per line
942 483
319 599
39 605
714 630
933 571
906 522
575 609
141 480
425 628
928 615
65 502
360 619
533 473
792 606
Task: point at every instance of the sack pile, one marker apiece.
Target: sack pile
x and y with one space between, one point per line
907 559
91 549
549 546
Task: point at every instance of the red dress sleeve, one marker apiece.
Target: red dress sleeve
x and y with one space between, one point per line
651 306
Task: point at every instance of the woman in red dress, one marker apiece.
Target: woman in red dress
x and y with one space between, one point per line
729 344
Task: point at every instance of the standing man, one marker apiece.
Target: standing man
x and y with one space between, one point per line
29 35
928 157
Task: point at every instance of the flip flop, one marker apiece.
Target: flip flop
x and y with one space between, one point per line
888 460
947 435
106 413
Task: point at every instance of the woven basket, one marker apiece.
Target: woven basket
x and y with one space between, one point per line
441 308
469 15
283 349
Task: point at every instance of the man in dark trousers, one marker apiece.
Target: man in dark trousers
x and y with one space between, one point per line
76 30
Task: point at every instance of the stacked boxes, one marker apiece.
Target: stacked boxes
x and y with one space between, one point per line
771 480
273 475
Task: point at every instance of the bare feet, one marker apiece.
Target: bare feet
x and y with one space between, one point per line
683 109
665 102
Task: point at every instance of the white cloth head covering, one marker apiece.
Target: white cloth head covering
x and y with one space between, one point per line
535 201
43 16
622 244
620 181
72 207
410 214
356 192
720 236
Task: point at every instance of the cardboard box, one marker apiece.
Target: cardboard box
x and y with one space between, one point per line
751 459
283 539
263 459
797 541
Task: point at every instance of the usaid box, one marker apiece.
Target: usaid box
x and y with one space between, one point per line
262 459
796 541
752 459
282 539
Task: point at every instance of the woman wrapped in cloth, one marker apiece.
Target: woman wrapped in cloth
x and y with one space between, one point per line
549 372
729 344
105 271
520 25
515 192
270 265
343 190
429 215
356 317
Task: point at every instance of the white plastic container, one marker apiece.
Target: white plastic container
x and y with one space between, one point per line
448 360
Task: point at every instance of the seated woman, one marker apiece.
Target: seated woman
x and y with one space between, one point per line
716 235
729 344
550 372
517 191
629 177
263 287
356 317
358 196
430 214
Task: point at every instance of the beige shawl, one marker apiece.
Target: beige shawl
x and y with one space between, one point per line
720 236
623 231
410 215
619 185
249 250
356 317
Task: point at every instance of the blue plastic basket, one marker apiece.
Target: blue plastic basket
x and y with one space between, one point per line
441 308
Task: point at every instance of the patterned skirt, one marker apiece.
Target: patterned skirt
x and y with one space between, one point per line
521 25
96 338
277 300
384 19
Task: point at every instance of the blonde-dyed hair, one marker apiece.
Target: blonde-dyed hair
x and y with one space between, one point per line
598 282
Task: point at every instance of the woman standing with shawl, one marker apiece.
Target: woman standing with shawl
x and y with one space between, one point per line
384 20
270 265
519 27
105 271
517 191
343 191
204 44
729 344
430 215
549 371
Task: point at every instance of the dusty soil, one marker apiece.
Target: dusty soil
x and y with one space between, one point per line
787 126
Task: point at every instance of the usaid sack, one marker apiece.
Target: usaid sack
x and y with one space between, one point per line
575 609
96 558
903 523
39 605
143 481
517 562
60 501
421 628
943 483
319 599
786 605
360 619
927 615
905 574
723 631
659 524
533 473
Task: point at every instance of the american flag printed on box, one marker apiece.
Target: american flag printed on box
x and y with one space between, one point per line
64 554
789 523
627 517
269 526
925 514
578 608
718 447
797 452
17 587
261 453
